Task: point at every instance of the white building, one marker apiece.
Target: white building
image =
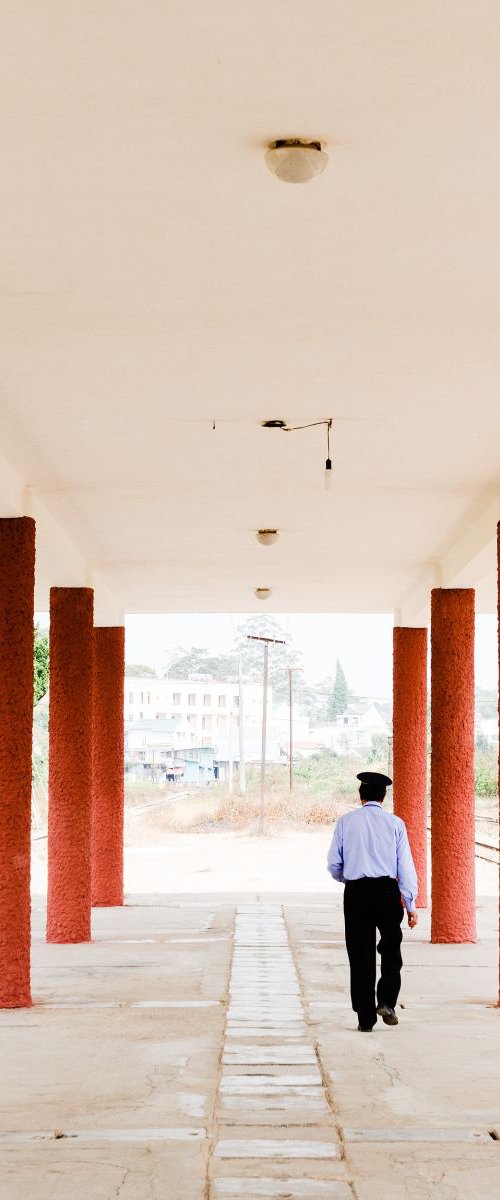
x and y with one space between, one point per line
487 727
353 730
150 741
167 749
205 705
208 711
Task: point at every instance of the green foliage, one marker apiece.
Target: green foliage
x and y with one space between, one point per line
379 751
187 664
328 773
315 699
280 657
40 664
486 774
199 662
340 694
138 669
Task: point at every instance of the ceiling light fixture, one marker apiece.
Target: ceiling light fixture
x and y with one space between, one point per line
295 160
263 593
267 537
328 421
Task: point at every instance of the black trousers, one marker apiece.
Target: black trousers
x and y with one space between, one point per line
371 904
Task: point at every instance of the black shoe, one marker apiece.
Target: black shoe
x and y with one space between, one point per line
365 1028
388 1015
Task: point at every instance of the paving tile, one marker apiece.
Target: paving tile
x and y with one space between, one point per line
414 1134
178 1134
261 982
261 991
256 1021
278 1149
256 1018
246 1096
266 1029
279 1080
280 1189
274 1016
264 966
270 1052
264 1009
249 1031
300 1102
257 1057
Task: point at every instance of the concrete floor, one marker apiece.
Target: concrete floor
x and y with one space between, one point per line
203 1046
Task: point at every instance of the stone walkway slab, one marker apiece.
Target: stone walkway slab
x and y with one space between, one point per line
277 1149
266 1029
248 1188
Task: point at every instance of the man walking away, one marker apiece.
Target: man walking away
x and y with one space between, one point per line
371 855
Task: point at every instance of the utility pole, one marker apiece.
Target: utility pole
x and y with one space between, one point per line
276 642
290 677
241 709
389 755
230 747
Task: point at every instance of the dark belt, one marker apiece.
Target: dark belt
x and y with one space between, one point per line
371 879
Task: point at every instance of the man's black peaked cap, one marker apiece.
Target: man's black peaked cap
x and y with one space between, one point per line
374 777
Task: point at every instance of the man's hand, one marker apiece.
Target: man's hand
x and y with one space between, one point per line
412 919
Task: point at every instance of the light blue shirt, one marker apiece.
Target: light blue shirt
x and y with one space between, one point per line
368 843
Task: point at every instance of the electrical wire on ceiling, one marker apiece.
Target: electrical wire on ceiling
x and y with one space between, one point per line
283 426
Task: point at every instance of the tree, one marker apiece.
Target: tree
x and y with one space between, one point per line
280 657
315 699
188 664
185 664
379 750
340 693
41 664
140 669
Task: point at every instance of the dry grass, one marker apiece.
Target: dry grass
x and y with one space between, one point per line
281 809
215 808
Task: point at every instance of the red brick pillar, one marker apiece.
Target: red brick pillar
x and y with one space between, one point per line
70 764
410 744
107 788
452 766
17 585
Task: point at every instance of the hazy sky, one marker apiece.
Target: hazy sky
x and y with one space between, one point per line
363 644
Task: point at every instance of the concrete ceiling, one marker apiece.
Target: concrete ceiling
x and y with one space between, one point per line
156 277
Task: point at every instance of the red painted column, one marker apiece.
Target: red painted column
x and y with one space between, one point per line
70 764
498 554
410 744
17 587
452 765
107 788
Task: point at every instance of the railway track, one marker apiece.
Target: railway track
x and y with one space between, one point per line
487 851
131 811
492 853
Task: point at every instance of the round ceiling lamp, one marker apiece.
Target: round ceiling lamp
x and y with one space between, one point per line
263 593
267 537
296 161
